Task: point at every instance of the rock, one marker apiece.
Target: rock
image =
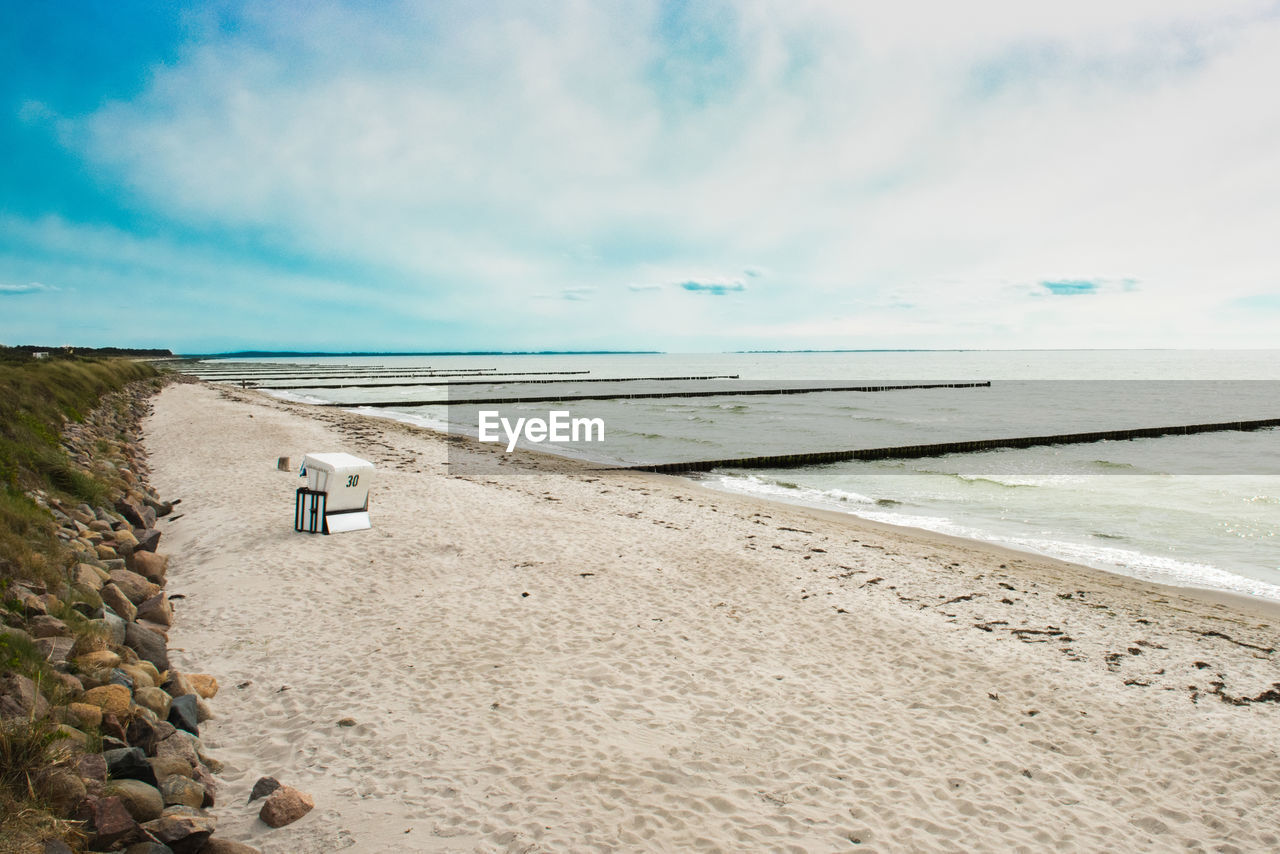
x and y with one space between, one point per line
177 789
129 764
131 512
92 766
107 823
88 604
208 761
119 677
347 722
204 684
167 766
182 745
55 846
134 586
12 635
30 603
44 626
87 643
141 675
182 713
73 737
105 552
202 776
103 659
144 734
154 699
161 508
113 727
54 650
68 683
183 809
226 846
113 597
110 743
157 609
149 565
179 684
20 699
61 787
114 625
96 679
148 539
88 716
159 628
151 671
112 699
262 788
88 576
127 539
149 645
148 847
143 801
184 834
285 806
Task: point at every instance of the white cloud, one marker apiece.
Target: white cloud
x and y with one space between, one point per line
858 154
28 288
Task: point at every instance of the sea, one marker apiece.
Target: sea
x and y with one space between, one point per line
1198 510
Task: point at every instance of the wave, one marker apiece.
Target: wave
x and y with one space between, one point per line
792 493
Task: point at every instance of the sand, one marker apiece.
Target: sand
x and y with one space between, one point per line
554 658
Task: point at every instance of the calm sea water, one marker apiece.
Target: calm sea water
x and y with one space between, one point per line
1201 511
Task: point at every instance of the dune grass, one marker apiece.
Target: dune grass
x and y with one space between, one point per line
36 399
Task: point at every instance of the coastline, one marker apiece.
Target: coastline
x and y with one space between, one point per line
1260 605
689 666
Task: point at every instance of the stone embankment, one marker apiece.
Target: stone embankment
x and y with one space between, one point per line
132 771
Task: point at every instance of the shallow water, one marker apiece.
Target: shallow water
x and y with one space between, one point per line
1200 510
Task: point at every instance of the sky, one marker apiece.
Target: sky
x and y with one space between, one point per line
679 176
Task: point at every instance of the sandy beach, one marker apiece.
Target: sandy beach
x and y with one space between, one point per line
557 658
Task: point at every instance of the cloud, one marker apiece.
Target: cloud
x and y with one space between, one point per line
716 288
869 166
1070 288
29 288
578 294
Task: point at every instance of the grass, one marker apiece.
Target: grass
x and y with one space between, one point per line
36 399
27 747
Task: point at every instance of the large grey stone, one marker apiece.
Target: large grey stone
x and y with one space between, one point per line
113 597
150 646
185 834
129 763
183 713
177 789
133 585
144 802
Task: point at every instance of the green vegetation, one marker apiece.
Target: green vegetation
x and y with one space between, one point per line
39 398
28 748
36 398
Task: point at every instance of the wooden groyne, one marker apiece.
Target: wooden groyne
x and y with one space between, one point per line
499 381
641 395
941 448
374 376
